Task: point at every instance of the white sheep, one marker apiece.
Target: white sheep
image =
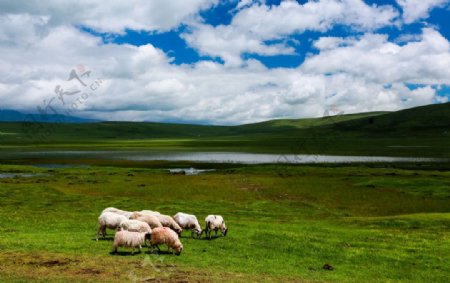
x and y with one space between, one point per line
109 220
150 212
127 214
215 222
166 220
150 219
188 222
130 239
165 235
135 226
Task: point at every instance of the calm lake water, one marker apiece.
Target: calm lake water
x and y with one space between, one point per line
216 157
19 175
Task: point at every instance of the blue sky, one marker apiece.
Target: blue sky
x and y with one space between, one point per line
225 62
222 14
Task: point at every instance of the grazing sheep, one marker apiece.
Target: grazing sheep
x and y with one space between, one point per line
150 219
135 226
150 212
188 222
215 222
130 239
109 220
166 220
164 235
127 214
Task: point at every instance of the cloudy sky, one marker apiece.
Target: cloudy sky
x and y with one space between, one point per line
222 62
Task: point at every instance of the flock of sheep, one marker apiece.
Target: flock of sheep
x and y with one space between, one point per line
133 229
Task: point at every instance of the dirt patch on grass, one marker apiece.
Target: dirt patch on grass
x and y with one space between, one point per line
52 263
39 261
89 271
63 268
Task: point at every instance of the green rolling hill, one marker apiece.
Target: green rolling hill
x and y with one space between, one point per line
420 131
430 119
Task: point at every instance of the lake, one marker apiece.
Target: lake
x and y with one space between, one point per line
214 157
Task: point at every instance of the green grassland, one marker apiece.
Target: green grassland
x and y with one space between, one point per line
371 224
421 131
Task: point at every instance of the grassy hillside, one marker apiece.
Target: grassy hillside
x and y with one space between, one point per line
421 131
147 130
429 119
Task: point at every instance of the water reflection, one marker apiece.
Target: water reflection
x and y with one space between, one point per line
218 157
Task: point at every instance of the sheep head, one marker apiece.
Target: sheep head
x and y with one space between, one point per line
178 231
178 248
198 231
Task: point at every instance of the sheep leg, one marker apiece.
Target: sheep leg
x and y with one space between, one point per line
153 248
98 233
206 230
100 230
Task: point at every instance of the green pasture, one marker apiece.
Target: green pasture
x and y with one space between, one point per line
285 223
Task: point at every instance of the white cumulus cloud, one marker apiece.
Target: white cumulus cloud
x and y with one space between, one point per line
376 59
112 16
414 10
258 23
364 72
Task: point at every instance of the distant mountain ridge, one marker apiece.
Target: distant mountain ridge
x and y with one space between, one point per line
424 118
7 115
